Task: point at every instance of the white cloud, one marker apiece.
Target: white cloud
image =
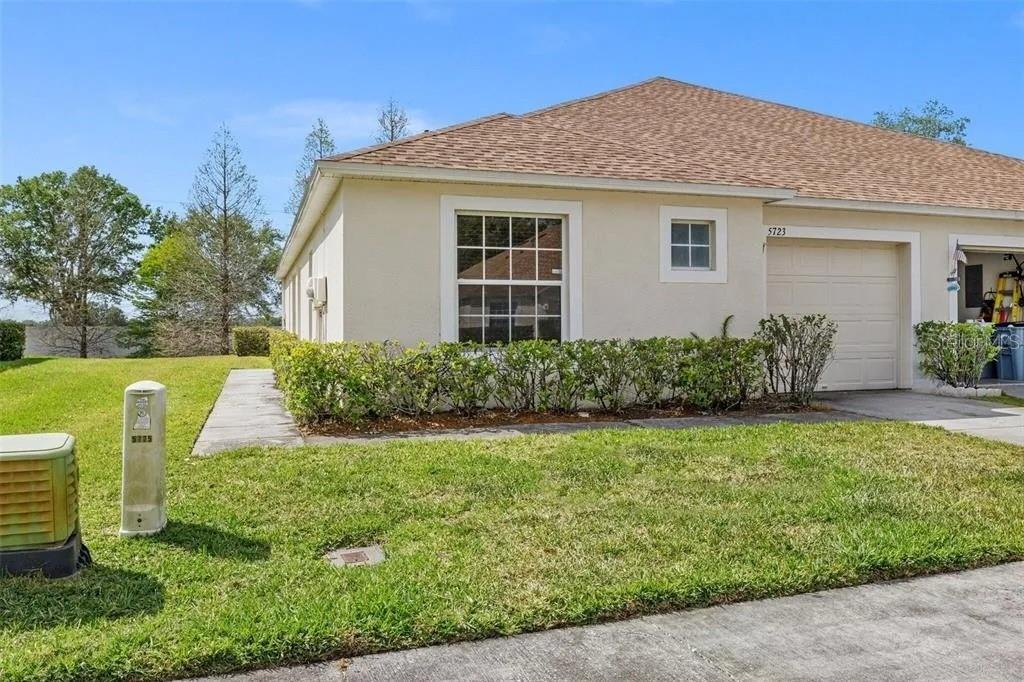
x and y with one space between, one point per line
350 122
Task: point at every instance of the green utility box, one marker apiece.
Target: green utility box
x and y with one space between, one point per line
39 505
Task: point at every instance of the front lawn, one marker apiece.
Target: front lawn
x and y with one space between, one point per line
482 537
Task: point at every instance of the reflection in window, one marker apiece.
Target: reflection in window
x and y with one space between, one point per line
691 245
509 277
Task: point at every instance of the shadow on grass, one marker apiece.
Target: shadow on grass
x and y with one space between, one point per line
197 537
95 593
8 365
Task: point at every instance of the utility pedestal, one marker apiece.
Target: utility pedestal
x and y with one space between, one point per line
142 480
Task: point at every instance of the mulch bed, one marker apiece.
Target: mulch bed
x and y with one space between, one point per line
445 421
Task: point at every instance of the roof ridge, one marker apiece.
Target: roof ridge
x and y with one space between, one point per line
344 156
638 148
834 117
598 95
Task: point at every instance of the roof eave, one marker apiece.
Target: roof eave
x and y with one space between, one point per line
901 207
435 174
319 191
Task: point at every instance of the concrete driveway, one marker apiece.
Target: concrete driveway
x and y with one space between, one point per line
976 417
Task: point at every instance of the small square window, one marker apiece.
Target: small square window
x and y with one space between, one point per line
693 244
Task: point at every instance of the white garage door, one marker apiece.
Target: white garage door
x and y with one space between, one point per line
857 285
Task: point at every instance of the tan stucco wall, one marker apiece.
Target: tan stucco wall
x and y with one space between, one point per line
378 243
320 256
392 261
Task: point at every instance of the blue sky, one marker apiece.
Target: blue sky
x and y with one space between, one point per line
137 89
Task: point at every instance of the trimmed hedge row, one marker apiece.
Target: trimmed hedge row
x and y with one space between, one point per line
252 340
353 382
12 340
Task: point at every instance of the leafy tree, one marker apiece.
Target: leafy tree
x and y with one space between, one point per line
319 144
69 243
935 120
392 121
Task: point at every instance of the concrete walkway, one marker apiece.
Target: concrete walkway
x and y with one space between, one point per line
976 417
249 411
965 626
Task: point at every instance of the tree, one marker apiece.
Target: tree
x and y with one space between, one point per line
213 268
392 121
935 120
68 242
319 144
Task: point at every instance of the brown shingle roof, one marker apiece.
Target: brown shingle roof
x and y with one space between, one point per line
665 130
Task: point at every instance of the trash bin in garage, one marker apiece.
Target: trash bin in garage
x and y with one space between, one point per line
1004 361
1017 349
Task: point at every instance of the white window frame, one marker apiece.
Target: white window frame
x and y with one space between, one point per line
719 219
572 255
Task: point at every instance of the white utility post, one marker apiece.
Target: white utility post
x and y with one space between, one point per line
142 481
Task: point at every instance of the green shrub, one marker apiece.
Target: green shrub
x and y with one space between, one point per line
280 343
797 352
352 382
566 385
523 370
12 340
607 373
722 373
465 376
329 381
656 365
954 353
251 340
403 380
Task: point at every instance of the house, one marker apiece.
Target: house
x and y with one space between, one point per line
655 209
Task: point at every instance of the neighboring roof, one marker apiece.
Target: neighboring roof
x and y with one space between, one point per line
665 130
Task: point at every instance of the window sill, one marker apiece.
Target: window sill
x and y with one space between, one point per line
698 276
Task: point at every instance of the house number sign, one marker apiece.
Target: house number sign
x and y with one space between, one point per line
776 231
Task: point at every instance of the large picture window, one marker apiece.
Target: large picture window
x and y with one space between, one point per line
510 276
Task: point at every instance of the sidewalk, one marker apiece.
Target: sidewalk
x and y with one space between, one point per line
967 625
248 411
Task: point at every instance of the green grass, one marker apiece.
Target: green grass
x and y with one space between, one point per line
483 538
1004 399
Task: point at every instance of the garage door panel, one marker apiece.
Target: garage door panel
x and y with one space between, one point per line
855 285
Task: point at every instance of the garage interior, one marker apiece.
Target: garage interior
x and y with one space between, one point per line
992 292
980 286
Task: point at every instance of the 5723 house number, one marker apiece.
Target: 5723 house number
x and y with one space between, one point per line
774 231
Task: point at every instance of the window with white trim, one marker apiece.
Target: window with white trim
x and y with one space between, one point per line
509 273
694 244
691 244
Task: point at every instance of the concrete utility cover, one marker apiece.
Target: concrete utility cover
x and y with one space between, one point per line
351 557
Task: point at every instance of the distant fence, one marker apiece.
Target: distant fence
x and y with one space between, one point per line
63 341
